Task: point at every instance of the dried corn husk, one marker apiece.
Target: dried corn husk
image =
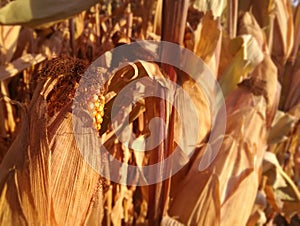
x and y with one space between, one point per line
237 164
48 183
208 41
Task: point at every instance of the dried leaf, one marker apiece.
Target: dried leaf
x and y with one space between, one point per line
192 110
202 204
277 17
266 72
245 60
282 126
169 221
11 204
297 33
236 165
19 65
217 7
8 42
243 197
51 175
208 41
293 91
249 25
34 12
283 187
283 37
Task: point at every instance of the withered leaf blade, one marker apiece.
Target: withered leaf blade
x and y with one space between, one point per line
34 12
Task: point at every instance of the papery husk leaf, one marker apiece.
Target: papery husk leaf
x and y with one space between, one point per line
266 72
236 164
197 195
258 215
245 60
229 49
239 165
249 25
246 143
208 41
50 172
243 197
191 104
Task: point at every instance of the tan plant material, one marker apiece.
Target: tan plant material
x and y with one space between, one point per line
8 42
34 13
217 7
207 41
236 167
253 180
17 66
8 116
296 32
283 43
277 17
293 94
47 184
234 172
249 25
280 188
245 56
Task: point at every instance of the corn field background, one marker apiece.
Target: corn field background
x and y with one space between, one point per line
250 46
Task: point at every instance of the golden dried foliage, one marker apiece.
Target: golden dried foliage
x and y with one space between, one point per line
250 175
